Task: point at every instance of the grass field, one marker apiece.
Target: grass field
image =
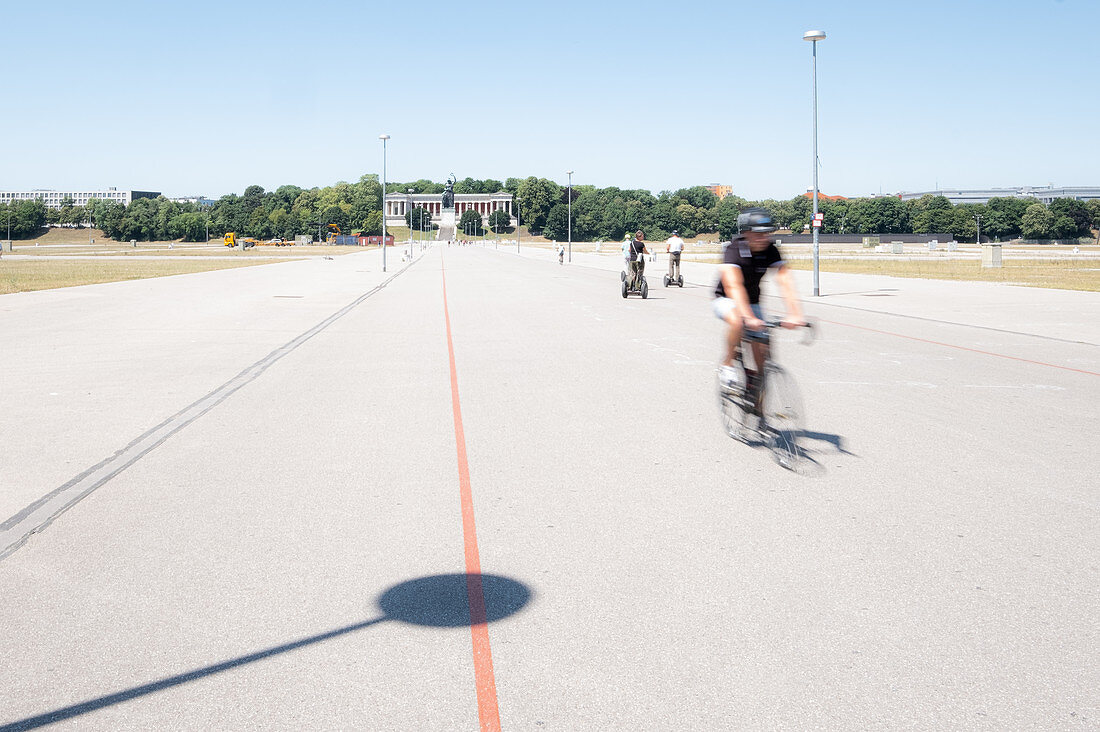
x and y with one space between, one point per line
47 274
65 258
1057 274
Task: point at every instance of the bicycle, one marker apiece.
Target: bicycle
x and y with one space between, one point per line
765 404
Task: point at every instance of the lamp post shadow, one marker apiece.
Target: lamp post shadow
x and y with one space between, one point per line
438 601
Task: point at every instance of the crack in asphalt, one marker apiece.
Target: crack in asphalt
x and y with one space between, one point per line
15 531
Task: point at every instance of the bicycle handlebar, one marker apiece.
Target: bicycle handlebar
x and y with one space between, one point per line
770 324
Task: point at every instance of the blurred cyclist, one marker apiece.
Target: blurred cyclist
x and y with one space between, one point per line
745 261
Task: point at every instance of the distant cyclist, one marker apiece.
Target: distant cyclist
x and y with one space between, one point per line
637 252
745 261
674 246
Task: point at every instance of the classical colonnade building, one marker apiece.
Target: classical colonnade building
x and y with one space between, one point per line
397 204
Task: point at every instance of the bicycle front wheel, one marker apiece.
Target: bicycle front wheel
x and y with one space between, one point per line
783 415
731 408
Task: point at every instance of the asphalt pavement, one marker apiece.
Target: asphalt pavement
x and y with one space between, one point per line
274 497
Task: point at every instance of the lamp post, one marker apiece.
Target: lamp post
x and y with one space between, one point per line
408 210
979 219
569 215
516 202
814 36
383 137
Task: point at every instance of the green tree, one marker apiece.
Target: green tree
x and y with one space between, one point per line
285 196
1036 222
537 196
108 217
419 219
337 214
499 220
728 211
1004 217
372 224
470 224
27 218
557 223
188 227
1076 211
932 215
1094 212
253 196
698 196
278 219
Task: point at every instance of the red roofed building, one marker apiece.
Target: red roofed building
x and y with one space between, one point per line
822 197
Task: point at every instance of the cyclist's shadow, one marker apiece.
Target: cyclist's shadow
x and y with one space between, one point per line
812 447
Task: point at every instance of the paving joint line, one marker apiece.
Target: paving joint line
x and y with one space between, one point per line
17 530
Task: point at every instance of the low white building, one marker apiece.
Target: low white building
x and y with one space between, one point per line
53 199
1043 194
397 204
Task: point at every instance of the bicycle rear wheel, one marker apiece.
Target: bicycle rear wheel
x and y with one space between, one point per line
731 408
783 415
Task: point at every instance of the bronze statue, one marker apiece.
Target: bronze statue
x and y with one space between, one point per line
449 192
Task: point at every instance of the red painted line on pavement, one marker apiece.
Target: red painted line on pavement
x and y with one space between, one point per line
487 710
961 348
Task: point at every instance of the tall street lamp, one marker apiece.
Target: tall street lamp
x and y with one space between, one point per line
409 215
979 218
814 36
569 215
383 137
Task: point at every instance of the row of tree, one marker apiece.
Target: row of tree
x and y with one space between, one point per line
610 213
544 207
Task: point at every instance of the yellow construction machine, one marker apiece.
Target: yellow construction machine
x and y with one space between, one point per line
231 240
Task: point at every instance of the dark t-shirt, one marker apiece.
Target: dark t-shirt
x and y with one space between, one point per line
636 248
753 266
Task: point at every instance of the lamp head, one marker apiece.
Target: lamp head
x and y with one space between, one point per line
383 137
813 35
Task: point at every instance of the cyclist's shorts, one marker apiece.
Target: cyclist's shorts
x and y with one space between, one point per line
723 306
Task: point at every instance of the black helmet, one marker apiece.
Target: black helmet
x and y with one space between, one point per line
756 219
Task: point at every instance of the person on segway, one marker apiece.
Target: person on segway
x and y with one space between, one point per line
674 247
637 254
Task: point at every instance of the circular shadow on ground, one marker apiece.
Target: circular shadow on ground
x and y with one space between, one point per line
441 600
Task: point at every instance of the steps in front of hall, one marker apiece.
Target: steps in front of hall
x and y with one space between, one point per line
447 225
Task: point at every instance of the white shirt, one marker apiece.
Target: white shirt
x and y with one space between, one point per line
675 244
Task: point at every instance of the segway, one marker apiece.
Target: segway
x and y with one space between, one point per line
630 286
669 279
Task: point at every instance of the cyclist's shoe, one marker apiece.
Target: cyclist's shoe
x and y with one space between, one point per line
729 379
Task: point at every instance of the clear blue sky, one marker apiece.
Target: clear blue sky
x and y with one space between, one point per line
209 97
